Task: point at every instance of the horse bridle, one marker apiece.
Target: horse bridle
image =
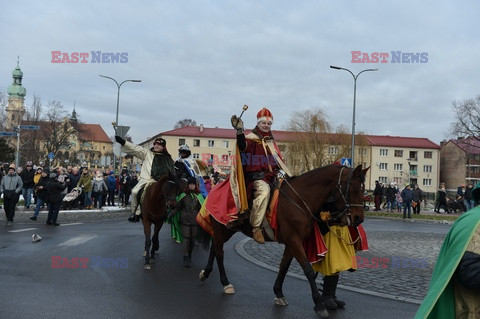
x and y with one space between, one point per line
346 199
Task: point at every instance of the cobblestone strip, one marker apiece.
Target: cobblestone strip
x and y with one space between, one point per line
409 259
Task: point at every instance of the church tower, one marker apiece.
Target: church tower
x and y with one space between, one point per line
16 98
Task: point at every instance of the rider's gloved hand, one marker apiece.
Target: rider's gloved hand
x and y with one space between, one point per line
237 123
120 140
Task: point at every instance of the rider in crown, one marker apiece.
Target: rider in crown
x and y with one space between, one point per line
261 160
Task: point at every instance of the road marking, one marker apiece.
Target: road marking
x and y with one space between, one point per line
77 240
71 224
20 230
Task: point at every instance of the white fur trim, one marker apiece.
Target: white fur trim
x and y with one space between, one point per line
264 118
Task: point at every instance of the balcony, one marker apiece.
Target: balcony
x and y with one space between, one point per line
413 173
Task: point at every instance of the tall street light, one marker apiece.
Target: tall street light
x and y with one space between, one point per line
118 101
354 99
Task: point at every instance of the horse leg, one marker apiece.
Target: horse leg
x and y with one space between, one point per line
282 272
297 250
227 286
148 243
209 267
155 242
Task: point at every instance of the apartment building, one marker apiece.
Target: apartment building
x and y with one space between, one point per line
460 162
404 160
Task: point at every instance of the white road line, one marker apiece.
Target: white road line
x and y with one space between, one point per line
20 230
77 240
71 224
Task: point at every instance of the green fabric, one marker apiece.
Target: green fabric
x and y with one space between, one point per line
440 300
174 221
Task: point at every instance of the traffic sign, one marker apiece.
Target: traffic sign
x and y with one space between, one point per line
51 155
121 131
346 161
29 127
8 133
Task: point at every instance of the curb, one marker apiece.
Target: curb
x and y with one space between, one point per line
241 251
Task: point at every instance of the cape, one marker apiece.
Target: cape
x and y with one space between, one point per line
440 299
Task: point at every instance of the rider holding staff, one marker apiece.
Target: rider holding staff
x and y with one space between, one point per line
157 163
261 159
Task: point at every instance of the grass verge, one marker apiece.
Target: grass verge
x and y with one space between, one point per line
421 216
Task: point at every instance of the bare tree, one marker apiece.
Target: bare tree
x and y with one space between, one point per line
34 112
7 153
315 143
56 130
185 122
467 121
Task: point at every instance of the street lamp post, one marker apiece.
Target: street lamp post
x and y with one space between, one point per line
118 101
354 100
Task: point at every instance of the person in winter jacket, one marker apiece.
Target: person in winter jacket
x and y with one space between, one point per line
11 186
54 197
85 182
407 197
27 176
112 188
98 187
41 193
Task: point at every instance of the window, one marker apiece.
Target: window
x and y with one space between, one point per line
104 147
225 158
427 182
427 154
211 143
181 141
332 150
474 169
196 155
196 142
413 156
398 153
362 151
383 152
398 167
397 180
427 168
383 166
225 144
382 179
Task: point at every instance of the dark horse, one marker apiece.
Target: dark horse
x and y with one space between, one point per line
158 197
300 201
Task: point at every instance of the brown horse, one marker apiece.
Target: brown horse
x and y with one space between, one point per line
159 196
300 201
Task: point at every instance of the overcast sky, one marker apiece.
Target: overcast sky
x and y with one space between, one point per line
205 59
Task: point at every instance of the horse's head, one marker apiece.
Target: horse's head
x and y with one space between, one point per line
348 196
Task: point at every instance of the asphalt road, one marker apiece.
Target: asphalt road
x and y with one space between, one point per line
32 285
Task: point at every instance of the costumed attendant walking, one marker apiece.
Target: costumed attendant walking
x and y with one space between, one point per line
184 225
455 285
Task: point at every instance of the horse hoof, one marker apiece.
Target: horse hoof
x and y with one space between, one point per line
321 312
281 301
147 267
201 276
228 289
